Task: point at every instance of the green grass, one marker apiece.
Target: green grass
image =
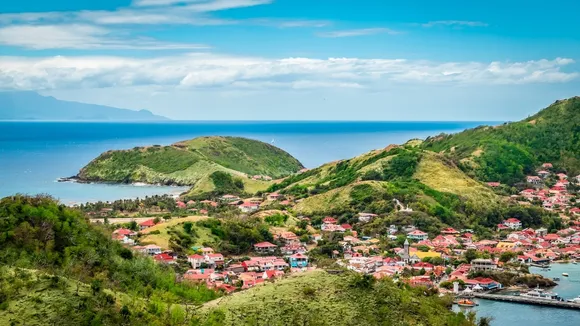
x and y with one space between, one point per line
318 298
162 239
191 162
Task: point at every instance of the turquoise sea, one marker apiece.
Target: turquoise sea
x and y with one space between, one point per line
504 313
33 155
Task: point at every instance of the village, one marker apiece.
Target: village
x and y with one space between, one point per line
406 254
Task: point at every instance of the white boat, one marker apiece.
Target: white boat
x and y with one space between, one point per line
575 300
540 294
565 274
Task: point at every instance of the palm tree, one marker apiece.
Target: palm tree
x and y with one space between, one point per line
485 321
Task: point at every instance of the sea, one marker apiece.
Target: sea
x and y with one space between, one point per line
506 313
33 155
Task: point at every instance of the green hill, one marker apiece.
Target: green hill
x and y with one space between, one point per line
192 162
509 152
57 269
318 298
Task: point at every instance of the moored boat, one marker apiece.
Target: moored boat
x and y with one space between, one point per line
575 300
466 303
541 294
565 274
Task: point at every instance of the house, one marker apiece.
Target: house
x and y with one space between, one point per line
421 265
123 239
287 237
417 235
298 260
562 176
494 184
248 207
265 247
513 223
229 198
329 220
543 174
164 258
146 224
274 196
450 231
547 165
195 261
181 204
125 232
366 217
481 264
484 283
292 249
535 180
214 260
151 249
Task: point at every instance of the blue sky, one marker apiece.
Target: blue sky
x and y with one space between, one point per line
296 59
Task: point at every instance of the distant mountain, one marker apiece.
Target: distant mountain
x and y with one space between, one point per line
33 106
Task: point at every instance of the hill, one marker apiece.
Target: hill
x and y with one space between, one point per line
509 152
33 106
404 185
319 298
208 163
56 268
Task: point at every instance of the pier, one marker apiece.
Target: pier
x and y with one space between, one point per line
526 300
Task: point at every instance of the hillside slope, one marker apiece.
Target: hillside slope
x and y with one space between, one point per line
192 161
318 298
508 152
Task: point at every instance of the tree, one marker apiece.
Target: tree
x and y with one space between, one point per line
507 256
470 255
188 227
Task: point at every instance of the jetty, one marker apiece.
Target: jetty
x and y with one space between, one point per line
527 300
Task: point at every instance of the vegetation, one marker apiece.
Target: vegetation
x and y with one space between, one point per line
59 251
236 236
508 152
318 298
188 162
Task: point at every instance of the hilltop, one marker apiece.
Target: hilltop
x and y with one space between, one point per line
33 106
508 152
208 163
319 298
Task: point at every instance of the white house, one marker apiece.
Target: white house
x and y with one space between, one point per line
366 217
417 235
249 207
513 223
152 249
535 180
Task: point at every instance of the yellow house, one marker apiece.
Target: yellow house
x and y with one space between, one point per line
429 254
504 245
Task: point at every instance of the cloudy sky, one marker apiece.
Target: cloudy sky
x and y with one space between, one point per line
296 59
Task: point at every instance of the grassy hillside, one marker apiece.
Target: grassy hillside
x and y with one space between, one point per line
193 161
59 269
510 151
161 234
318 298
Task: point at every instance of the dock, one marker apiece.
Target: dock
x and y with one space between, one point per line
526 300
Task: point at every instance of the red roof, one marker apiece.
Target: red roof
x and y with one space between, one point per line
123 231
163 257
264 245
195 257
329 220
147 223
346 226
512 220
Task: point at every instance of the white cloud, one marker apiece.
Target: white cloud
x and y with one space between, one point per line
456 23
202 70
358 32
78 36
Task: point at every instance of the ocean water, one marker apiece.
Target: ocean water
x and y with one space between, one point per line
505 313
33 155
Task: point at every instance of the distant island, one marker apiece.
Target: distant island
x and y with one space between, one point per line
33 106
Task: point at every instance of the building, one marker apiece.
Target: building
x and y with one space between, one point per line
535 180
366 217
152 249
249 207
265 247
146 224
513 223
481 264
417 235
406 256
298 260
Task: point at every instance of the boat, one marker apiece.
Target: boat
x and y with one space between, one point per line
565 274
556 279
466 303
575 262
575 300
538 293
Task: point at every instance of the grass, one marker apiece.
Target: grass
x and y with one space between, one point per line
443 176
162 239
318 298
332 200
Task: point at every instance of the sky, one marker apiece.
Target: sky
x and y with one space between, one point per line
395 60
